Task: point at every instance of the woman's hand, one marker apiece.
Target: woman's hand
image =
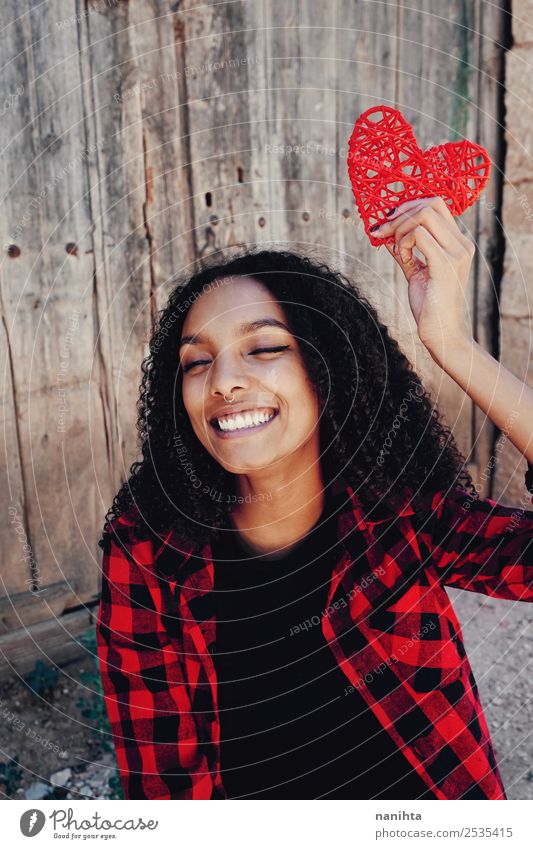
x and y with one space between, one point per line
436 287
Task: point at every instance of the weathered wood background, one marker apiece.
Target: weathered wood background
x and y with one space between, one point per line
138 137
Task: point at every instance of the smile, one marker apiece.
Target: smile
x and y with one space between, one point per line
243 422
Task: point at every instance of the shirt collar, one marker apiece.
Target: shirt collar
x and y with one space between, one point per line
172 554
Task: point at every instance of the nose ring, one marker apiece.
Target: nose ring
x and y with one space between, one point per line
227 400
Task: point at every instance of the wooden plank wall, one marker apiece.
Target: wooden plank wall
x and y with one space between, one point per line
138 137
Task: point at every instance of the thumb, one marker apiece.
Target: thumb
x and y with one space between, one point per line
410 267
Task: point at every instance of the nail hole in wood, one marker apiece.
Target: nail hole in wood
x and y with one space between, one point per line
239 174
208 199
71 248
261 222
13 251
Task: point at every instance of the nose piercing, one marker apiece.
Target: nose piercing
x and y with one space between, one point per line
227 400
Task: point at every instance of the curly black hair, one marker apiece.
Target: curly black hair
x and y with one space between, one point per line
379 429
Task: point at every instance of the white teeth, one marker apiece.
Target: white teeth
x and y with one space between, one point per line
244 420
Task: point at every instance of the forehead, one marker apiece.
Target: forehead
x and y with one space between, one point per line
233 300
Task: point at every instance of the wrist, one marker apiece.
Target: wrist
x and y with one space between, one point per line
450 349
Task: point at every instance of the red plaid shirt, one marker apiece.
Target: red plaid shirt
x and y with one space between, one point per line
389 623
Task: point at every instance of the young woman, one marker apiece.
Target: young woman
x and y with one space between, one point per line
274 621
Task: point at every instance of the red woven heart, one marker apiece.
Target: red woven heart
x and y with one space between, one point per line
383 156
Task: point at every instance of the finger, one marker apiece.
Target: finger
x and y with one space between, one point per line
425 242
410 208
402 208
440 206
436 202
443 233
417 237
410 266
447 235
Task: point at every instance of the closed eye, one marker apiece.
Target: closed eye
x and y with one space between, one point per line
270 350
273 350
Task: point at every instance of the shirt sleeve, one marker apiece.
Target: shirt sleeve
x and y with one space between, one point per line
142 681
480 545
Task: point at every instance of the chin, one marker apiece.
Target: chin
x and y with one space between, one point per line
244 468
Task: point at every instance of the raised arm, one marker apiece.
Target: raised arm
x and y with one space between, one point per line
436 292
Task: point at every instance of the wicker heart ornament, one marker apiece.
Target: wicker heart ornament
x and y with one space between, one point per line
387 167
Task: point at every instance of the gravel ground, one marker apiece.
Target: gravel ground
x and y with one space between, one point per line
53 741
55 744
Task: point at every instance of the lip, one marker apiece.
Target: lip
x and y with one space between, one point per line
233 434
231 409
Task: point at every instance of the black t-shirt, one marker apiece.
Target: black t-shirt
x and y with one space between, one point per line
290 728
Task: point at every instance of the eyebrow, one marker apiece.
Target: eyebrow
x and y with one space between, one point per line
248 327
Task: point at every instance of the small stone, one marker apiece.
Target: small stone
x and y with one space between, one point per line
60 778
37 790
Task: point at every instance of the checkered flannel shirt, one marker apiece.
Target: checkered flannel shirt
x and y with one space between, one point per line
389 623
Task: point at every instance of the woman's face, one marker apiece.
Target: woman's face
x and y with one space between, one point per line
221 353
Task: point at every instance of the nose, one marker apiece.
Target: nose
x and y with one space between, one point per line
227 375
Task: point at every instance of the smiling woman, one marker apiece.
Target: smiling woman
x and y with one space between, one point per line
273 620
242 346
331 371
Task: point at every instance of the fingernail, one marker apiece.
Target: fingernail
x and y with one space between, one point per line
375 227
392 211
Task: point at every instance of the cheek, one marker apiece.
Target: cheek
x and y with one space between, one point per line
299 393
305 389
289 380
